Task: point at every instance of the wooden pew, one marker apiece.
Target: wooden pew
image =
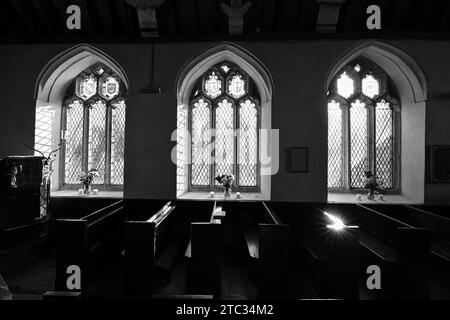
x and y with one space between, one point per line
439 227
330 257
399 249
268 243
204 254
150 252
86 245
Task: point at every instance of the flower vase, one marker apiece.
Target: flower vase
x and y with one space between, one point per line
87 189
227 193
371 195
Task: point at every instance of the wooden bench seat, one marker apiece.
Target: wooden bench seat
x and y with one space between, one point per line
90 243
166 259
377 247
150 251
267 241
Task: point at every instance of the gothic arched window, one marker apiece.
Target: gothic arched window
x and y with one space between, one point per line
224 118
363 127
94 128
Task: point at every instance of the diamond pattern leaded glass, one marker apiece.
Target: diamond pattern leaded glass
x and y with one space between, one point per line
200 153
248 144
345 86
358 144
335 155
104 121
384 143
117 141
73 162
361 134
236 86
43 130
181 149
370 86
97 139
222 85
213 85
224 139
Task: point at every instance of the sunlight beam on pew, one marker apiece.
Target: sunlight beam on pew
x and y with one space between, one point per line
338 224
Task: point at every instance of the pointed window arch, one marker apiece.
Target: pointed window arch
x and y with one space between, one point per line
224 127
363 118
93 126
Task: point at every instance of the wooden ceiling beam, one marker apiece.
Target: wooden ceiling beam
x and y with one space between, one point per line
287 15
103 15
46 13
186 15
267 12
444 21
122 12
307 17
26 18
208 16
427 8
402 8
353 14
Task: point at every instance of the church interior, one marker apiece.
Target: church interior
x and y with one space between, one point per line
217 149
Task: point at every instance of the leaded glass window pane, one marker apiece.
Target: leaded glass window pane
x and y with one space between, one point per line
345 85
358 144
223 100
181 148
201 153
384 143
361 132
335 149
248 144
73 155
94 123
224 138
370 86
97 139
117 141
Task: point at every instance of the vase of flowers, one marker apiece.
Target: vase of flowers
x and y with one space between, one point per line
372 184
87 179
226 180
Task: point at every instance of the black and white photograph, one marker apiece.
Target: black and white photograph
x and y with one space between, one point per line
224 157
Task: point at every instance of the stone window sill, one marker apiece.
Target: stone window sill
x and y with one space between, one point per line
387 199
74 194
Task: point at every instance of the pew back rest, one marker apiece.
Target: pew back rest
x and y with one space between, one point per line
103 213
268 215
76 237
378 224
438 225
163 231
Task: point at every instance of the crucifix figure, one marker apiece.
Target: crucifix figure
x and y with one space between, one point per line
235 14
